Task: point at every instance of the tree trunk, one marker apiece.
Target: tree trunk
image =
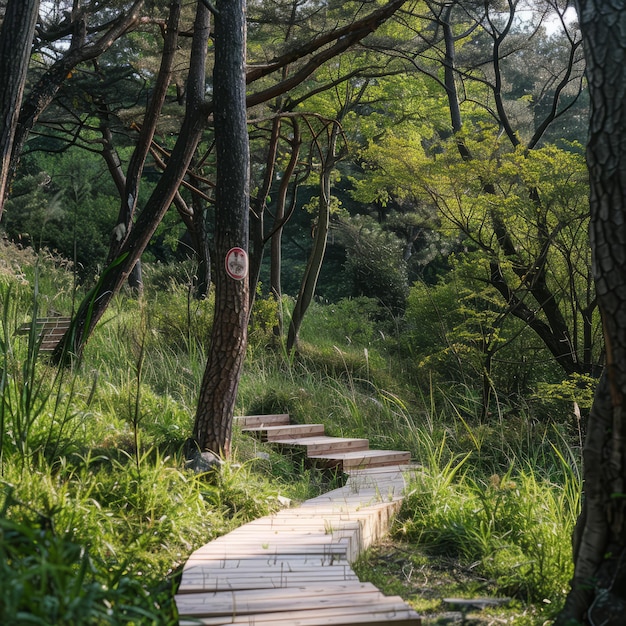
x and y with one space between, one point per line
200 237
96 302
598 591
214 415
257 213
281 216
147 130
79 51
16 39
314 265
140 153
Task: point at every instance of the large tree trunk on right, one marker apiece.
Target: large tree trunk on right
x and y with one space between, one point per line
598 593
16 39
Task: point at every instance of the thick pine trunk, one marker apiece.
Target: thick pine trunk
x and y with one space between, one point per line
598 594
214 415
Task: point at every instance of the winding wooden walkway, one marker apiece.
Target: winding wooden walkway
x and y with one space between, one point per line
293 568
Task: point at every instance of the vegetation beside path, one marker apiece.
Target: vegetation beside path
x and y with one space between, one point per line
98 511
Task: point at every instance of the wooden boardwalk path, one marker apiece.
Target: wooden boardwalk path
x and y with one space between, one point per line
293 568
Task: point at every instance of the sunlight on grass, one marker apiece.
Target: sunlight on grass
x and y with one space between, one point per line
98 510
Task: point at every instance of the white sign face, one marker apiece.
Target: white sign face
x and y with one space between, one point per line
236 263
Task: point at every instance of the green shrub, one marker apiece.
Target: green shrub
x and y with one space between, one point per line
513 529
49 578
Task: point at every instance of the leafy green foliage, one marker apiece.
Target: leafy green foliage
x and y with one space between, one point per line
514 527
118 513
49 578
67 205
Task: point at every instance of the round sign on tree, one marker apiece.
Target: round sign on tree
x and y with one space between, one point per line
237 263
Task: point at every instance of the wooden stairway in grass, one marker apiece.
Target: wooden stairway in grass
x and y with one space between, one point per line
293 568
338 452
49 331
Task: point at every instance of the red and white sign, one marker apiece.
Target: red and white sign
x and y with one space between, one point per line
236 263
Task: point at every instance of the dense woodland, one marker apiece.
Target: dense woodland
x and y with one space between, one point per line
409 181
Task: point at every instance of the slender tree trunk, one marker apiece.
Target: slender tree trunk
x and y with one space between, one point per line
280 218
314 265
200 236
194 122
16 39
598 592
214 415
258 206
128 204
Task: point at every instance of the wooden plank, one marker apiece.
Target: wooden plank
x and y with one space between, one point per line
365 458
325 444
287 431
399 615
320 518
252 421
222 552
223 580
342 568
233 562
238 603
321 589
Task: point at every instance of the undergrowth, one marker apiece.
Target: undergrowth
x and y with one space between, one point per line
98 512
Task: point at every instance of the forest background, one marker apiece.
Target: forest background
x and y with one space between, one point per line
436 167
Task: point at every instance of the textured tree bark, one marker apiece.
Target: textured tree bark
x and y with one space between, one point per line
214 415
147 130
598 590
16 38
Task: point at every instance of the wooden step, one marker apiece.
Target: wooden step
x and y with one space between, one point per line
255 421
50 331
390 610
325 445
364 458
346 603
275 600
287 431
399 615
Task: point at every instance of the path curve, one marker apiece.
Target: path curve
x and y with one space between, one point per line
293 568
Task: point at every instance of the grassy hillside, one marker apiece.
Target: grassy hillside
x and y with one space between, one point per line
98 511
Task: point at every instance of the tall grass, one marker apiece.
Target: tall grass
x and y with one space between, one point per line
97 510
500 496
